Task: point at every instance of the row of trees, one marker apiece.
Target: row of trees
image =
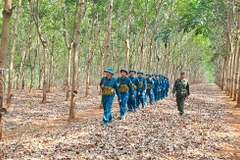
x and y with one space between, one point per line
227 69
69 43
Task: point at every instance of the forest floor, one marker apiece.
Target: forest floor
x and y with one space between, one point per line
210 129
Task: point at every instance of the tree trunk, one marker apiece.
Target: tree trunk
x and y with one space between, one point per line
12 54
108 38
45 47
7 12
50 82
75 62
229 49
224 74
236 73
40 72
127 33
32 66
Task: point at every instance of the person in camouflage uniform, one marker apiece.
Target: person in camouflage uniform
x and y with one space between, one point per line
181 90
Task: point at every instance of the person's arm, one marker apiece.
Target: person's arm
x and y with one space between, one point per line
130 88
115 86
153 84
187 88
118 80
145 85
138 84
102 83
174 87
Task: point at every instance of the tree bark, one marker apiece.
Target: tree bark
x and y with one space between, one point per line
75 62
68 44
108 38
32 66
236 71
11 57
45 47
128 33
7 12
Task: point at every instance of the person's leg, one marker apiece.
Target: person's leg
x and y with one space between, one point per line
151 96
130 104
147 96
138 101
107 107
134 101
123 105
178 104
182 101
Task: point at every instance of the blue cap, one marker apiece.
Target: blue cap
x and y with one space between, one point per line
132 70
109 70
124 70
149 74
140 71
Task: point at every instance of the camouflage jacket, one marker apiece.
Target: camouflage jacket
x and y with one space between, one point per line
181 87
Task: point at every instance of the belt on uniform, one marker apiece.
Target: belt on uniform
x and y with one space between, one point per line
123 88
108 91
134 86
149 86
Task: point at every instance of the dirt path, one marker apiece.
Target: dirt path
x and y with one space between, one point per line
210 129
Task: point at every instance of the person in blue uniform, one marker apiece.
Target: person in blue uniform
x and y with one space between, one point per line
109 86
155 87
165 86
168 86
162 86
126 90
150 85
158 87
132 101
142 89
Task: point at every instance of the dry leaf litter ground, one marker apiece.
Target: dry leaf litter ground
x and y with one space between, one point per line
209 130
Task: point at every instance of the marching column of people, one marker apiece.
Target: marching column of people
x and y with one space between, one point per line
132 91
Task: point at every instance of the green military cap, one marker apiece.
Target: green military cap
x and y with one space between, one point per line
182 72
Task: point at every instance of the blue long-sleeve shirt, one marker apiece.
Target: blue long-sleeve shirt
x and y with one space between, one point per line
126 81
150 82
143 84
162 83
156 83
168 84
165 84
111 83
135 82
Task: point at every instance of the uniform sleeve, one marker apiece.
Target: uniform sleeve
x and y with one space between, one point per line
101 82
138 84
153 84
174 87
187 88
145 84
160 84
130 87
118 80
115 86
